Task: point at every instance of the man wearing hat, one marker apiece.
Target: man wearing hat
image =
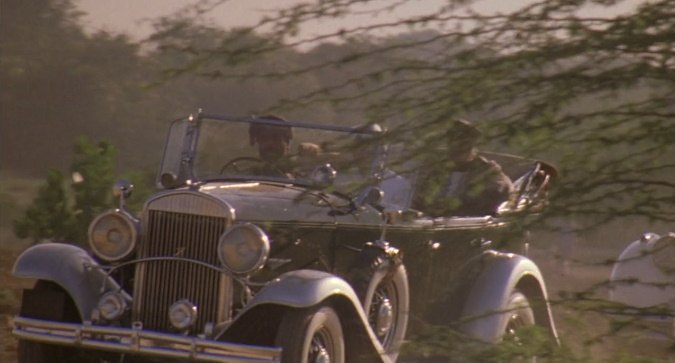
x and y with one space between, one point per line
467 184
273 143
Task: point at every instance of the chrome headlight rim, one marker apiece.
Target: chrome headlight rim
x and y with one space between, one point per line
129 222
183 314
260 237
112 305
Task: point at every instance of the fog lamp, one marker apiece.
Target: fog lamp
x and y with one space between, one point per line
182 314
112 305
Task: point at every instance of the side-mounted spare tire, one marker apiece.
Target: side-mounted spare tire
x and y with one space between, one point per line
380 280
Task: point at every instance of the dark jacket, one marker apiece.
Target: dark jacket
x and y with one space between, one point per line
473 189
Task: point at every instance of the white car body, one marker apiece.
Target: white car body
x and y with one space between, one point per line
642 283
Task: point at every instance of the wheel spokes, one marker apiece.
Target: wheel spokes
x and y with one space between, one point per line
381 313
321 348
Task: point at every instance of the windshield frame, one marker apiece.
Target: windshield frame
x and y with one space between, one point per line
177 168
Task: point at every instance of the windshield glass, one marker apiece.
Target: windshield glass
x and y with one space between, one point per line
272 150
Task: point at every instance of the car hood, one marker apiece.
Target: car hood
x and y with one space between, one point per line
262 201
254 201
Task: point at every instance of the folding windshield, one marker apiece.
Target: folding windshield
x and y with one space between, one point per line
221 148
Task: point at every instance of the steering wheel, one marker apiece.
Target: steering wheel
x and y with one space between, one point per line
233 164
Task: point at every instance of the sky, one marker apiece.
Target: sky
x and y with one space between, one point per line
133 17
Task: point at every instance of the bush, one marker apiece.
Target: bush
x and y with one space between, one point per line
62 211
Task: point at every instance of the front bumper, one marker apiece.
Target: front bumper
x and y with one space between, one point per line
138 341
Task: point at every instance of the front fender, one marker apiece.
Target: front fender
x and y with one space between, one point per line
501 274
70 267
305 288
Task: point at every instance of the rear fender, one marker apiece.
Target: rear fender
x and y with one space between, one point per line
501 274
70 267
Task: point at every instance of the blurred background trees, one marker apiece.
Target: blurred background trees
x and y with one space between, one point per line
575 82
592 94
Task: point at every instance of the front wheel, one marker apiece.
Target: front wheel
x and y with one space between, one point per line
312 335
32 352
62 309
382 285
386 304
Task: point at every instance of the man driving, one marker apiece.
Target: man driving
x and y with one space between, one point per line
273 143
273 140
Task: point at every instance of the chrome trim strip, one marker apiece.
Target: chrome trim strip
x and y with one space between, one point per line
163 258
189 202
126 340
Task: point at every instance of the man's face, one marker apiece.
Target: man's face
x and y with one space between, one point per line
461 150
272 145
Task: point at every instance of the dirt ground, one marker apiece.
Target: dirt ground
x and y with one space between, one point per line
579 327
10 297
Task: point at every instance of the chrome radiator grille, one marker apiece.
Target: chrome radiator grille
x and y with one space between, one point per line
159 284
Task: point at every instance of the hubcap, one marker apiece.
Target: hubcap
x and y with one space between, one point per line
319 350
381 315
322 356
515 322
385 317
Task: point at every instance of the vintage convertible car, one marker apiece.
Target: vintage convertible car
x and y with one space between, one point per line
642 284
320 259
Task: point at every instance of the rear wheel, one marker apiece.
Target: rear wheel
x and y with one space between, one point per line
312 335
519 315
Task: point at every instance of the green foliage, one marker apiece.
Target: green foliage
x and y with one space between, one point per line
594 95
441 343
63 212
143 183
50 215
93 176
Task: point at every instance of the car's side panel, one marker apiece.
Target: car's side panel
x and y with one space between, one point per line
456 275
434 257
495 276
70 267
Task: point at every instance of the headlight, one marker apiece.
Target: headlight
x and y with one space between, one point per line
243 248
112 235
663 253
